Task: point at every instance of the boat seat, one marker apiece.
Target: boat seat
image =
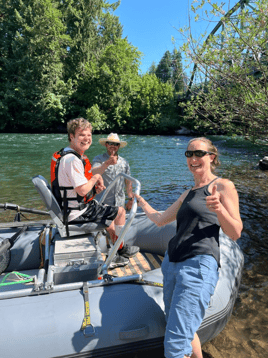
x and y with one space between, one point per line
70 229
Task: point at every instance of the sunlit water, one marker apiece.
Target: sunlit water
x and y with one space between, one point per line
158 162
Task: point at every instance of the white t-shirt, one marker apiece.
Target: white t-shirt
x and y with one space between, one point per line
71 173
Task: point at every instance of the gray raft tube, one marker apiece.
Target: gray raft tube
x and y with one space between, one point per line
40 280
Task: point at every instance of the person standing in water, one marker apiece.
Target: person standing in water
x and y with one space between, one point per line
191 263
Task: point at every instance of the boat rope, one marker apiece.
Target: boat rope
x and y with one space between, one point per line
42 242
20 278
150 283
42 237
86 321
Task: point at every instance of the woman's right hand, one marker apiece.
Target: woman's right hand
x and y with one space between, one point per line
140 201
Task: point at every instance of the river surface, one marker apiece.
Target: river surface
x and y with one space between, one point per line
158 162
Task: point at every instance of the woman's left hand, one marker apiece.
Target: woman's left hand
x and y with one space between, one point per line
213 201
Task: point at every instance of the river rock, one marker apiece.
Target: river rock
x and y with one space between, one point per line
263 163
183 131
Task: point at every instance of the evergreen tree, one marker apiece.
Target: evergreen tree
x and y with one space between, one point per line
164 68
152 69
91 27
32 44
170 69
177 71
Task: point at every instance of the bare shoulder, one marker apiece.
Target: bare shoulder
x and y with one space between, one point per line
226 189
224 185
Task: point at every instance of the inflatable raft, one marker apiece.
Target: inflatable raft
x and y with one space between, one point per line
58 299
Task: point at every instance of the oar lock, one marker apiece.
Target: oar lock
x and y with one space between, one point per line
15 207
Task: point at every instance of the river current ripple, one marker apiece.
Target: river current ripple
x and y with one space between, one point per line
158 162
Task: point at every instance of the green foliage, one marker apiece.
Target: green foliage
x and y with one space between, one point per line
232 65
110 83
32 39
63 59
96 118
91 26
170 69
152 106
164 68
152 69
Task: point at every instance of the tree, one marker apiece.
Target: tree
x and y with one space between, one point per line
170 69
164 68
110 84
152 69
45 47
61 58
91 27
177 71
153 108
32 43
232 96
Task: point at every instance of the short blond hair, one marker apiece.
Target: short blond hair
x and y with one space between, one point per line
76 123
211 148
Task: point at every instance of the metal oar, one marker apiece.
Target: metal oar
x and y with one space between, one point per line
18 208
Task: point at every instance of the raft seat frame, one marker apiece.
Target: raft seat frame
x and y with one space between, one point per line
84 229
56 214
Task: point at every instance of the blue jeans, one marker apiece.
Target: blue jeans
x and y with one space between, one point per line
188 287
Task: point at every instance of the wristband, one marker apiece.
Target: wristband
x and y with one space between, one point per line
130 198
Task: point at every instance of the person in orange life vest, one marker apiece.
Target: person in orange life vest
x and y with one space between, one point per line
71 173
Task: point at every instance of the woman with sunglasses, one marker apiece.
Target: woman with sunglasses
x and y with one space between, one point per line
190 266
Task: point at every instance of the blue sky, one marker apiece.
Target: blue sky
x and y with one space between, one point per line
150 25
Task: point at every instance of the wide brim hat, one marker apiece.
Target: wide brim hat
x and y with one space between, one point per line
113 137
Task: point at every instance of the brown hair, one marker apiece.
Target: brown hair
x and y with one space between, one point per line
211 148
73 124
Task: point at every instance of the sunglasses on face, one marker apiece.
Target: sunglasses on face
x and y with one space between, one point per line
112 143
197 153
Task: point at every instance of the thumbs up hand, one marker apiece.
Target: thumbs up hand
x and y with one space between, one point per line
112 160
213 201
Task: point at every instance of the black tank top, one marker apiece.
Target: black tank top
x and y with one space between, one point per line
197 228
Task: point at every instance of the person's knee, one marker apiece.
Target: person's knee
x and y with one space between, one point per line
121 212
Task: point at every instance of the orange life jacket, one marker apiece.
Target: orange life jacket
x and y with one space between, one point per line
56 189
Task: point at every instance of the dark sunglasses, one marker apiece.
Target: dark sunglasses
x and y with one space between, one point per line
112 143
197 153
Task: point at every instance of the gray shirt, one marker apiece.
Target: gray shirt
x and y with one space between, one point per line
116 195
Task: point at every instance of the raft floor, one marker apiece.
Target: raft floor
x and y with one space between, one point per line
142 262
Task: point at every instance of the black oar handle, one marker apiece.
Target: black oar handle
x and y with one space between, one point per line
4 245
15 237
7 243
18 208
